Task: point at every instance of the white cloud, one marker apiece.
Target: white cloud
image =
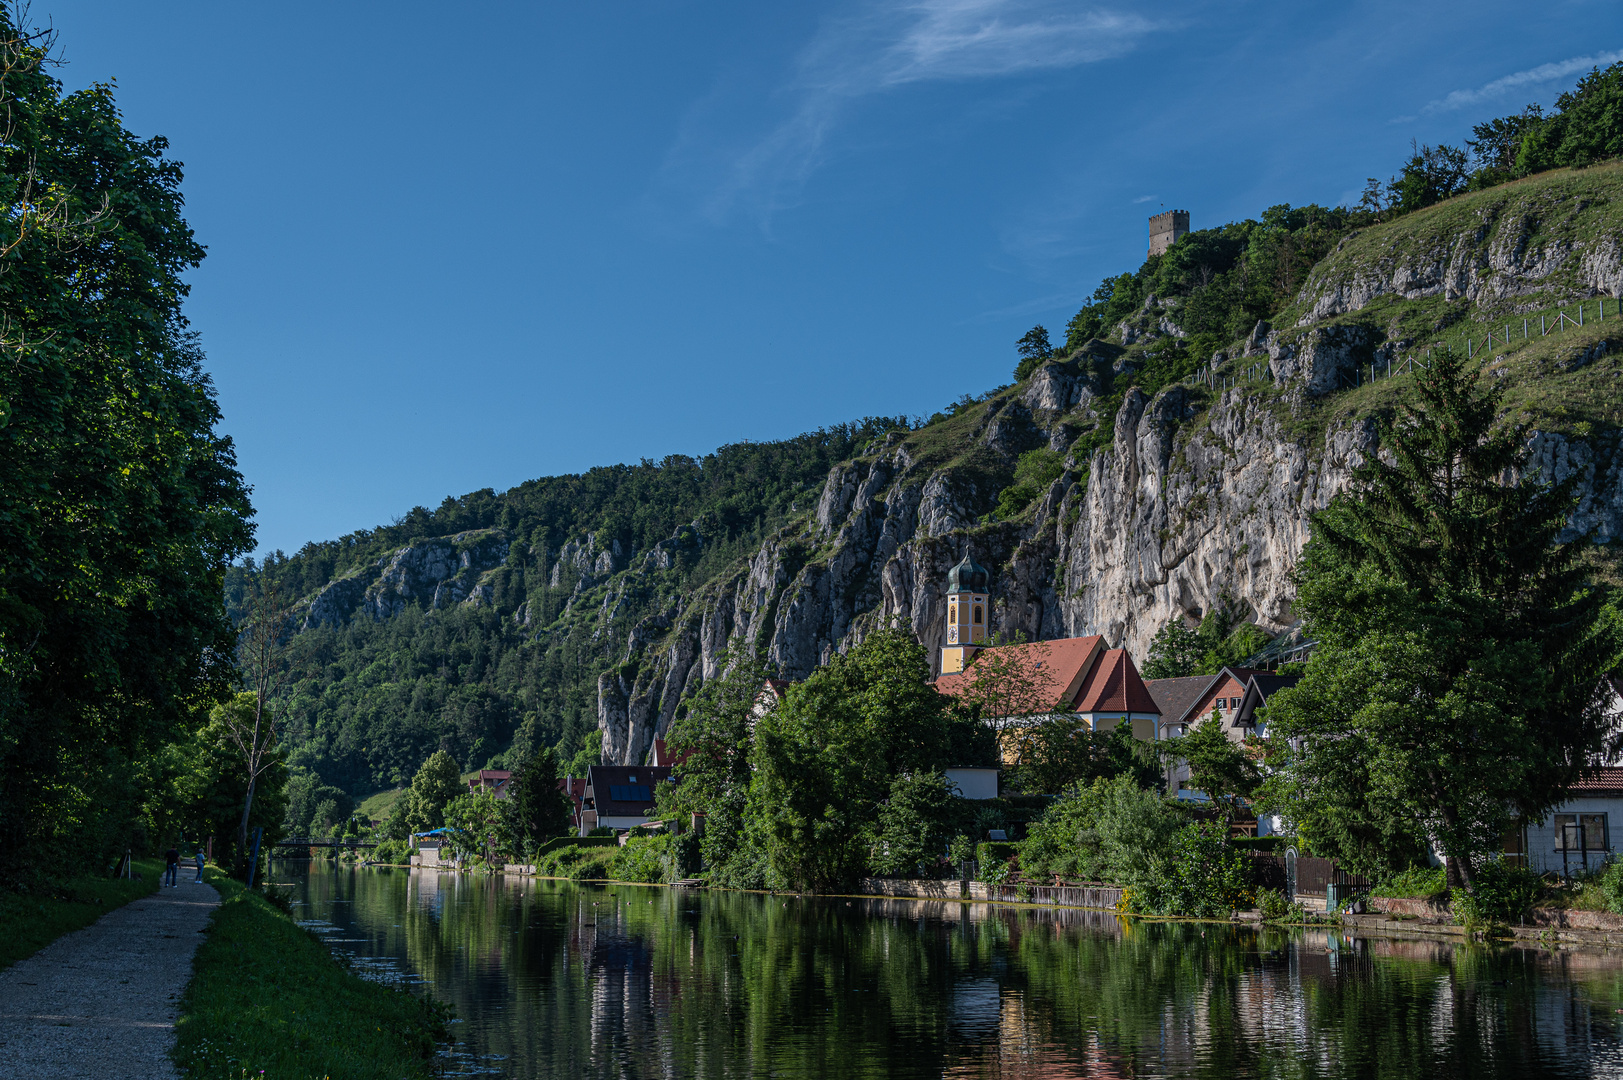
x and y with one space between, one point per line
1143 199
1498 88
897 43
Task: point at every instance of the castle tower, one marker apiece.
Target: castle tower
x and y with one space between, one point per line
1166 228
967 614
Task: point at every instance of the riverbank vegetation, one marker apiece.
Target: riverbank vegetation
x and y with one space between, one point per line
30 921
120 504
267 998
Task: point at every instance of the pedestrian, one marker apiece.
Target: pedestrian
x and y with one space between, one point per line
199 880
171 867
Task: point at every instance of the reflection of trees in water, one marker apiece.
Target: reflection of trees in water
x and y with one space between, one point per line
627 982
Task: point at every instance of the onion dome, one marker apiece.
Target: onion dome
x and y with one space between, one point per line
968 576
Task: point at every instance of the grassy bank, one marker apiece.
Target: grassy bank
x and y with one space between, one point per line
31 921
268 999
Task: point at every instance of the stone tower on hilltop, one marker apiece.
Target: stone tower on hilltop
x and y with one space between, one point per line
967 614
1166 228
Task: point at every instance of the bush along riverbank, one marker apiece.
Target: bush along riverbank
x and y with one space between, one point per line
268 999
29 921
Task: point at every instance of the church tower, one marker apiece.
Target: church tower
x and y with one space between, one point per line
967 614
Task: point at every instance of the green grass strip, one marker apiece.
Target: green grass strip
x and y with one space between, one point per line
32 920
267 1000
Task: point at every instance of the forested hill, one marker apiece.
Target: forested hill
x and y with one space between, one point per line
371 699
1160 463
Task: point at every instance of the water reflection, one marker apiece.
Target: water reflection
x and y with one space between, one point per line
554 979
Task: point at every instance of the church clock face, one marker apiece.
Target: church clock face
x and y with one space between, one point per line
952 635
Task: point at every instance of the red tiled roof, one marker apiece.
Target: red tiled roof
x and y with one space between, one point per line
1609 778
1063 664
1115 686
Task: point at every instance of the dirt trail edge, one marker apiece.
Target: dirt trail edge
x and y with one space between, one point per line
102 1001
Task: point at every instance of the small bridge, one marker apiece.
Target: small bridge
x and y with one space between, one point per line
323 842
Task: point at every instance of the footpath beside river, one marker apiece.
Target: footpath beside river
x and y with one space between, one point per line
103 1001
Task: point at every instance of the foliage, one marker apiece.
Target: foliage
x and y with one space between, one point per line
1274 907
1060 750
1033 348
712 737
432 789
1429 881
1034 472
537 808
1202 876
120 507
1226 771
266 996
915 824
1432 174
197 788
1457 683
1111 830
1500 894
481 825
1003 688
1586 126
1611 884
313 807
1175 652
825 757
31 921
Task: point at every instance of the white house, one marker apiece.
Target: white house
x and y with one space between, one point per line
1576 835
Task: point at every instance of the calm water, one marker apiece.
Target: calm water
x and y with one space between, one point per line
559 980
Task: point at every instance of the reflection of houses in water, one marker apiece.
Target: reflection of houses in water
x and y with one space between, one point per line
626 1007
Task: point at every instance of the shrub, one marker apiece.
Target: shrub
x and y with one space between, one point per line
1274 906
1202 876
1428 881
642 859
1501 894
1611 885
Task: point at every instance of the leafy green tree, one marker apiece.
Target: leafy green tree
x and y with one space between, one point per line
195 788
1457 681
1225 770
1060 750
1034 472
538 807
1175 652
120 507
1109 830
1432 174
915 824
825 758
589 754
1033 348
712 735
432 789
1586 126
1201 875
481 825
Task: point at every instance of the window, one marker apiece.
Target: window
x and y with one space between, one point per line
952 613
977 613
1580 832
630 793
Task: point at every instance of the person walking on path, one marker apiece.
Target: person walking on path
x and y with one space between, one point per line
199 879
103 1001
171 867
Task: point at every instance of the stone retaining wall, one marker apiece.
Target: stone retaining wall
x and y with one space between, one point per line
1098 897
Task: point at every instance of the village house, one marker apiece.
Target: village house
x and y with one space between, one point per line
495 780
1577 835
620 796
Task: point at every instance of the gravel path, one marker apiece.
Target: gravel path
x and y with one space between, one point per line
102 1001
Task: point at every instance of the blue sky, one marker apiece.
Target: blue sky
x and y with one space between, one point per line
460 246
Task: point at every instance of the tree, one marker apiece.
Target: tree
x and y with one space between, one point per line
1457 681
432 789
539 808
1033 348
1007 688
262 656
479 823
1586 127
120 507
1432 174
825 757
914 825
712 735
1175 652
1225 770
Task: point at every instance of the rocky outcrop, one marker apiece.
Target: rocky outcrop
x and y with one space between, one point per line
1323 359
433 573
1551 240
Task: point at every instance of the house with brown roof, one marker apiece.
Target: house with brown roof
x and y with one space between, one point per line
620 796
1577 835
495 780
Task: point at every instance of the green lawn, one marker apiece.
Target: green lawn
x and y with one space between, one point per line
268 1000
31 921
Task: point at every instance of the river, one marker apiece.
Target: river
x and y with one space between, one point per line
551 978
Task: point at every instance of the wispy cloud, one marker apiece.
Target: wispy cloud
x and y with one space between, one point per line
1520 80
893 44
1143 199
